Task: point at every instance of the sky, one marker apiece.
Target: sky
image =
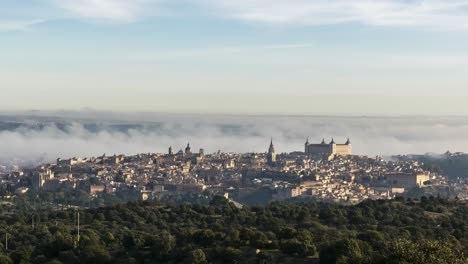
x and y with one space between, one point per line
337 57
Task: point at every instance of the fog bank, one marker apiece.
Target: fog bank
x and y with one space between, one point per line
86 134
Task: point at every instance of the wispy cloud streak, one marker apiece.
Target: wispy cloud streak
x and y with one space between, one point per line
434 14
215 51
431 14
19 25
110 10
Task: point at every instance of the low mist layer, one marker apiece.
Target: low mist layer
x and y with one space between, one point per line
83 134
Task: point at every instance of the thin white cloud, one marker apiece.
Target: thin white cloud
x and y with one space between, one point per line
109 10
435 14
19 25
215 51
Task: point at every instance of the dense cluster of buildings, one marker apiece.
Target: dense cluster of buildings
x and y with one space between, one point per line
325 172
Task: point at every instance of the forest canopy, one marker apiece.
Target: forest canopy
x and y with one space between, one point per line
429 230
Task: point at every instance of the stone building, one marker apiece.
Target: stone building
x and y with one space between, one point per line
406 180
331 148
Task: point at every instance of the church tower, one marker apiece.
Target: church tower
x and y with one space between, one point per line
306 146
170 151
271 156
188 149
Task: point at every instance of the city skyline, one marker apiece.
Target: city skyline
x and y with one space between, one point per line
241 57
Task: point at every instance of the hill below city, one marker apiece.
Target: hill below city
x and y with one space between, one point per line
430 230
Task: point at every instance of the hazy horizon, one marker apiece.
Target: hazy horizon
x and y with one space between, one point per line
96 113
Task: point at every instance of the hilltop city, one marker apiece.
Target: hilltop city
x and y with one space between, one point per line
327 172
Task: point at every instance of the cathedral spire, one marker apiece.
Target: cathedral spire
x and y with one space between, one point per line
271 148
271 156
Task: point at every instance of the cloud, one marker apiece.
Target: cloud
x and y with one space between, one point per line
109 10
432 14
435 14
214 51
46 138
19 25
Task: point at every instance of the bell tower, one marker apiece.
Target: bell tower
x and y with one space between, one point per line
271 156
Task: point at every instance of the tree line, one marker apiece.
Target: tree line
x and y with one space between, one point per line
428 230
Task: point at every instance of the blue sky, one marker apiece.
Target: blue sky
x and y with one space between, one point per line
379 57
